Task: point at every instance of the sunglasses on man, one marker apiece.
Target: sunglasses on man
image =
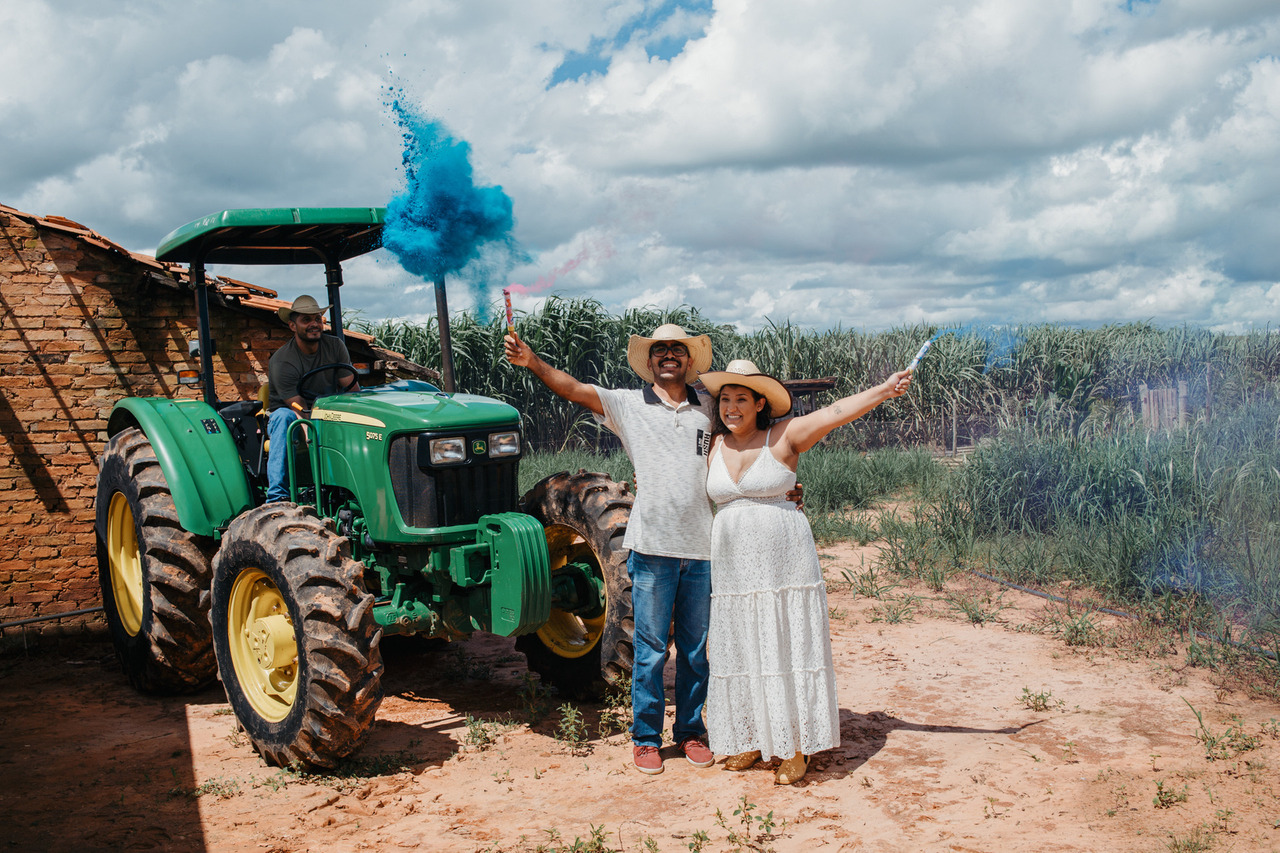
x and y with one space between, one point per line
660 350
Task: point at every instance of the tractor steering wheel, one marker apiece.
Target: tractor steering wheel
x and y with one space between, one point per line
339 367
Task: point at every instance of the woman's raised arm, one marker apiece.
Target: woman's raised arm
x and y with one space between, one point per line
807 430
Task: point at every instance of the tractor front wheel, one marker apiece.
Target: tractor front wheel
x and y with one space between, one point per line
297 643
154 574
585 516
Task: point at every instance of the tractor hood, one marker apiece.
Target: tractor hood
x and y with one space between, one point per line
414 406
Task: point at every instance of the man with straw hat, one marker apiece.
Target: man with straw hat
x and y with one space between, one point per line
308 349
664 428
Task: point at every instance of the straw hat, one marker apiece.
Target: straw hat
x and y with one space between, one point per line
302 305
744 372
638 349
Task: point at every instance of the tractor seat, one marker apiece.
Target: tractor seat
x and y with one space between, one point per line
245 425
264 396
239 409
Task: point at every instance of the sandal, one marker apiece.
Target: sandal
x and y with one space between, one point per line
792 770
741 761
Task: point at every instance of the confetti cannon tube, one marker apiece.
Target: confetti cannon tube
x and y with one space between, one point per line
511 325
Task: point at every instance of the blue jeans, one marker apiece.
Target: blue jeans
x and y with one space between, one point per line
278 455
663 588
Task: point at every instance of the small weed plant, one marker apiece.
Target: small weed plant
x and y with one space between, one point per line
572 730
700 840
615 716
1078 629
978 608
1198 841
870 583
1227 744
222 787
536 698
482 734
895 611
753 832
1041 701
1167 798
459 665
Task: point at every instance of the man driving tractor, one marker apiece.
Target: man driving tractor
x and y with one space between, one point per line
307 350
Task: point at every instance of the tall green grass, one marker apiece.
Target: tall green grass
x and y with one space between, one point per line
1081 380
1140 517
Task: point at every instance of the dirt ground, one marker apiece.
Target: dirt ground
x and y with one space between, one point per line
957 736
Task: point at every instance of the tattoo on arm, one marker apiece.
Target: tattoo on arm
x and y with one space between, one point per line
836 408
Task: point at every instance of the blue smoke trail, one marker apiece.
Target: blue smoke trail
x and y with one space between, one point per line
1000 343
443 223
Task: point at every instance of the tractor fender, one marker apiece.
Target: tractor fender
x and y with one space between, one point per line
197 455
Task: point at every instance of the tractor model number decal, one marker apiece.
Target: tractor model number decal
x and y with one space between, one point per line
372 436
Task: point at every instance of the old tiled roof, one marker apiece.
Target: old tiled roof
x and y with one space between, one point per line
230 292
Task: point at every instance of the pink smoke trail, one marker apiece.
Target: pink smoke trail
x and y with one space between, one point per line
546 282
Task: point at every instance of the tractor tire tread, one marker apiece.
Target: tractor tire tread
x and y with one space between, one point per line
173 650
598 509
340 685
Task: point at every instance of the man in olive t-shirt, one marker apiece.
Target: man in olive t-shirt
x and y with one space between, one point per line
308 349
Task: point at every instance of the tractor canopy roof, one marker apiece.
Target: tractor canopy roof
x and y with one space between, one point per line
276 235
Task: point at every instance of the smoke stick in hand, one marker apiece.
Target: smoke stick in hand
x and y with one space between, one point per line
511 324
915 362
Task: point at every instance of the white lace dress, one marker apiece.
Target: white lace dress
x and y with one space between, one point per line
773 685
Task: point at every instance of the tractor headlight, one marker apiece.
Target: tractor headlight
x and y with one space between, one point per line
448 451
504 444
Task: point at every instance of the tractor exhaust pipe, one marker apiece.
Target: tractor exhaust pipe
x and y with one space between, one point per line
446 343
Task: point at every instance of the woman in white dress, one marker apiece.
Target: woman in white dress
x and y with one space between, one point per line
772 690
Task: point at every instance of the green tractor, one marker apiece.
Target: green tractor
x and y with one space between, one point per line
405 519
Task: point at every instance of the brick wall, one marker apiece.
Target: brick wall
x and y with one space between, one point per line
82 324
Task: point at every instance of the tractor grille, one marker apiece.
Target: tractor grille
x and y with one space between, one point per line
442 496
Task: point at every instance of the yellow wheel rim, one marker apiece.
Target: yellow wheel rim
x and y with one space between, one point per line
124 564
567 635
264 652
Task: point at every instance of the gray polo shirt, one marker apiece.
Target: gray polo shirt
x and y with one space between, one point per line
672 514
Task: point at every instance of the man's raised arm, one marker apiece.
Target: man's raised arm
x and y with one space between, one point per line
561 384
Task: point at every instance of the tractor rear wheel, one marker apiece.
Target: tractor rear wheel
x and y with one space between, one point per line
296 639
154 575
585 516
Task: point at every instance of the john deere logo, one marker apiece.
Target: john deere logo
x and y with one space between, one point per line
478 447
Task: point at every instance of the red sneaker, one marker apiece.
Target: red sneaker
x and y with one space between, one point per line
646 759
695 749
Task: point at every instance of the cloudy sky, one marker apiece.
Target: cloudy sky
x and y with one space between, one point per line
824 161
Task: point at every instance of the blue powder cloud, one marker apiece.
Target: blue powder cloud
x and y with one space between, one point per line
443 223
1001 342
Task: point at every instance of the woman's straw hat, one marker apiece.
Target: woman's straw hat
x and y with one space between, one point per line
744 372
638 349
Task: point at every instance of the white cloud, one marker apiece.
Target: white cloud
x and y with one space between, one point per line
834 161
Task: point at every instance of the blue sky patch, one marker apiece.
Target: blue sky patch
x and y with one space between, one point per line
664 29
